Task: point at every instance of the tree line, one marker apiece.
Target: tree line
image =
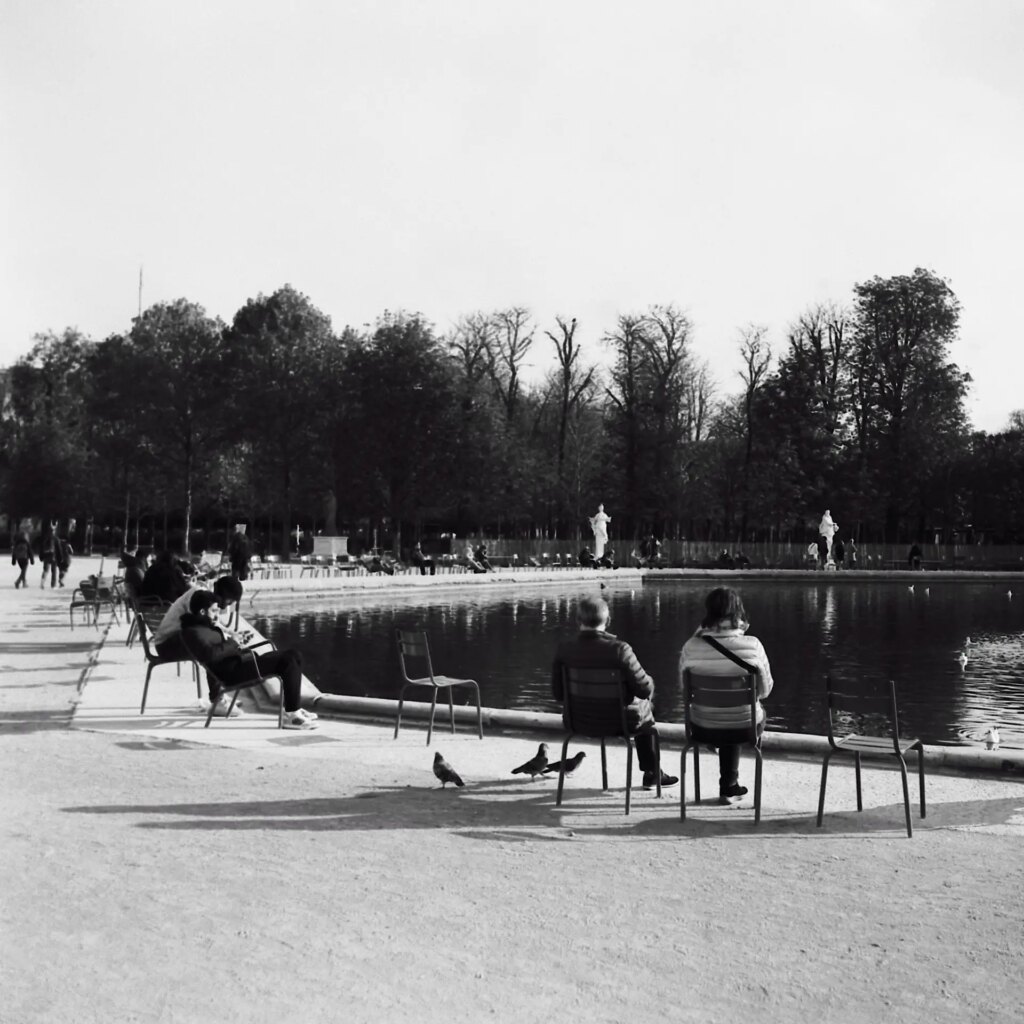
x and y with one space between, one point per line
277 418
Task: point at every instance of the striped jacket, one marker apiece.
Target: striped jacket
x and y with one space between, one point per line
699 656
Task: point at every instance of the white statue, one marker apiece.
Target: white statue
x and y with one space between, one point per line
828 528
599 524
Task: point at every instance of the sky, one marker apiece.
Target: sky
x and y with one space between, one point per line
742 160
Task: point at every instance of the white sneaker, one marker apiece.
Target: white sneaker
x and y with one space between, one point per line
309 716
223 703
295 720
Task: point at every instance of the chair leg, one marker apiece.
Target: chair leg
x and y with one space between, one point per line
451 708
433 708
696 773
561 771
480 714
145 689
682 784
280 706
398 719
199 685
856 761
604 768
629 772
209 714
757 786
821 791
657 757
920 773
906 797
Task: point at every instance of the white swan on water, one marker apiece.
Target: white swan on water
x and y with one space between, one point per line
962 658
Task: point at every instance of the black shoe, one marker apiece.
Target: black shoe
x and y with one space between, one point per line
667 781
732 793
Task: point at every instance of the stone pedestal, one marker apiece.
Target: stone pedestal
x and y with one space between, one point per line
331 546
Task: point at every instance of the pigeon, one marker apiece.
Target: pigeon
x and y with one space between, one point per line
445 772
911 588
535 765
962 658
571 764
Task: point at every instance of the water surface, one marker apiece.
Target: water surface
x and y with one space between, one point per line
862 632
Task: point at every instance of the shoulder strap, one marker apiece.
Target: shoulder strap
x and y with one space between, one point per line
725 650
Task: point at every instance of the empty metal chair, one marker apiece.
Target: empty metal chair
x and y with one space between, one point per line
859 745
414 646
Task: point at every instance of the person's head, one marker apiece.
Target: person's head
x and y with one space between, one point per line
593 613
600 508
204 604
724 606
128 560
227 590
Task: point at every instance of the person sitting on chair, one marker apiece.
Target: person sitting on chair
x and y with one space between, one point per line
168 642
586 558
724 629
607 560
421 561
480 555
595 647
914 557
164 579
234 666
469 559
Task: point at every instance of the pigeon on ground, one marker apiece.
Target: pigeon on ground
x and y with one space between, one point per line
571 764
535 765
445 772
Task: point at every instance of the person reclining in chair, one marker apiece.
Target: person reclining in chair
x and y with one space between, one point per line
594 647
168 642
235 666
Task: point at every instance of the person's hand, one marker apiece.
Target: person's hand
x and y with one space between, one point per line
246 635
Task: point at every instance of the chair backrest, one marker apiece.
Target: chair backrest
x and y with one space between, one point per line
413 644
877 707
594 701
734 691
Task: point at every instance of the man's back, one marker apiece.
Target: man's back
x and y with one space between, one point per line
598 649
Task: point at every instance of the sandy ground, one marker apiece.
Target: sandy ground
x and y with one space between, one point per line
151 870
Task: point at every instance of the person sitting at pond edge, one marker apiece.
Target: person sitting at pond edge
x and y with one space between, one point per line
234 666
595 647
480 555
586 558
838 551
607 560
725 623
914 557
421 561
168 641
469 559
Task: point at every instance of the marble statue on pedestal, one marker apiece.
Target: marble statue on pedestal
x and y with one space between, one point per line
599 524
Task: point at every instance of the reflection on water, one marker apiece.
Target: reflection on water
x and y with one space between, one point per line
864 632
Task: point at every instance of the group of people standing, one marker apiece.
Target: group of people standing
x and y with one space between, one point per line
55 553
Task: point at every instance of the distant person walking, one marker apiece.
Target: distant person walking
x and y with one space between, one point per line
21 556
64 553
48 555
838 551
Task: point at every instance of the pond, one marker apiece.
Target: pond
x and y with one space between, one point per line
864 631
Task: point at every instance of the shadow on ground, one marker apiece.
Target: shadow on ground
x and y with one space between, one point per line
496 810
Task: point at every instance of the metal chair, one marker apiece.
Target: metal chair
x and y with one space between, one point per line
146 619
92 595
235 688
414 645
594 702
720 692
860 745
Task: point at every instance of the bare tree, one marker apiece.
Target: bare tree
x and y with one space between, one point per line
572 383
471 346
512 338
757 358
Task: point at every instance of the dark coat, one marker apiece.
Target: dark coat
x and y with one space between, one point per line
595 649
164 581
209 646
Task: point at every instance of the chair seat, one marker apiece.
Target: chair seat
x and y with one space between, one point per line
441 681
875 745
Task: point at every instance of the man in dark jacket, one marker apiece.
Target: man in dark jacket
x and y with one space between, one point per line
164 579
593 647
234 666
240 552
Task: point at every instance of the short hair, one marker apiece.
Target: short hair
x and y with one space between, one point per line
201 600
228 590
592 612
724 603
